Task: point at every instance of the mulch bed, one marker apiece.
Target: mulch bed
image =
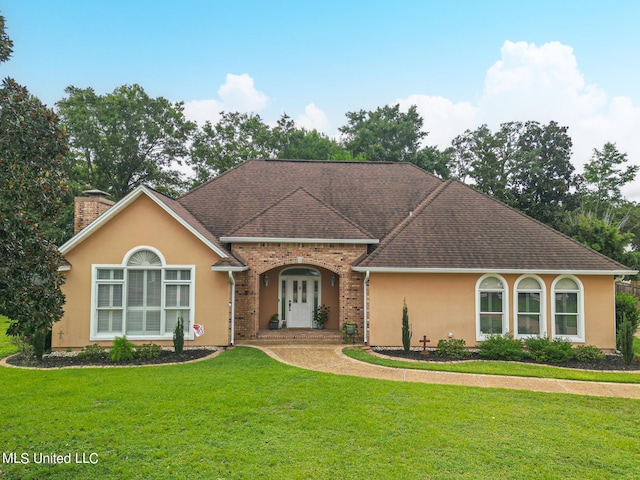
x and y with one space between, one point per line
611 362
61 360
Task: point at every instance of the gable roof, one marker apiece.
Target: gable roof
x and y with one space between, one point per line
375 196
170 206
299 216
457 228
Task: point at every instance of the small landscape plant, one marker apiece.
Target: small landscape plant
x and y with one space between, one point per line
92 353
406 329
588 353
454 348
537 348
121 350
541 349
502 347
178 337
148 351
627 307
625 340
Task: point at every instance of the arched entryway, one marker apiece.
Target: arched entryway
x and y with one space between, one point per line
299 294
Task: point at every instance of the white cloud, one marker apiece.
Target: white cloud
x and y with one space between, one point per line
313 118
541 83
237 94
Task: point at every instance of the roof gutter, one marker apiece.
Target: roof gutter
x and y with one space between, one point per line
366 297
493 270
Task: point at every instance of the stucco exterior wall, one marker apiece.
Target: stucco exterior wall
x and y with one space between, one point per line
143 223
440 304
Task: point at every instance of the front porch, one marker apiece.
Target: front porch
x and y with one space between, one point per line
299 336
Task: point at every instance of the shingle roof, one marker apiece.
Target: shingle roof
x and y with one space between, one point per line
375 196
457 227
300 215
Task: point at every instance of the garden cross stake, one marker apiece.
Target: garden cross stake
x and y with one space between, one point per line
424 342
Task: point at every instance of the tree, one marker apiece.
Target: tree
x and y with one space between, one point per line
290 142
235 138
525 165
604 176
32 181
126 138
385 134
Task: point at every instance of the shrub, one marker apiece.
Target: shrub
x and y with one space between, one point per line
627 306
625 340
92 353
502 347
454 348
406 329
588 353
148 351
178 337
559 351
537 348
121 350
39 338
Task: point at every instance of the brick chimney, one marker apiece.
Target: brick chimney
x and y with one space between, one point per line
88 208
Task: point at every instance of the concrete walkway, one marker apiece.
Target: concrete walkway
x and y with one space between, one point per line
329 358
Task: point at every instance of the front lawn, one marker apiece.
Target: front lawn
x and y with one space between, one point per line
243 415
6 347
488 367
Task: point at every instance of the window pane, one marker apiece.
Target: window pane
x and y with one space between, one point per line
171 275
134 321
104 321
171 317
153 322
491 324
104 274
144 258
566 284
304 291
171 297
528 302
529 284
567 324
566 302
491 283
135 289
491 302
528 324
184 295
104 296
295 291
154 286
185 274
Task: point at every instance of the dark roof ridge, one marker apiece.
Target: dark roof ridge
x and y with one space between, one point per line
431 196
293 192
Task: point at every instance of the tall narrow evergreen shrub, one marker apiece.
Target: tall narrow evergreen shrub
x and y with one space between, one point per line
178 337
625 340
406 329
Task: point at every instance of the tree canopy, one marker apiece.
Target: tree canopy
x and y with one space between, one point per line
126 138
32 182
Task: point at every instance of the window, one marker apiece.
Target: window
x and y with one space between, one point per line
530 307
142 298
568 320
491 306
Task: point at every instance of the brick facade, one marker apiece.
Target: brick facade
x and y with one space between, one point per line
264 257
87 209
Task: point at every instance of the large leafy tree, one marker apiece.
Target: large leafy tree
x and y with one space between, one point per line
385 134
32 182
604 176
126 138
291 142
524 164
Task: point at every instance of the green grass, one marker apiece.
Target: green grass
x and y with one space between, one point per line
243 415
499 368
6 347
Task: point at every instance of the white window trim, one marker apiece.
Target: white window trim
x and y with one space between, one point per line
543 307
95 336
480 337
579 338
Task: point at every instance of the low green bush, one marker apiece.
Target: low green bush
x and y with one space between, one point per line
121 350
454 348
588 353
92 353
559 351
148 351
537 348
502 347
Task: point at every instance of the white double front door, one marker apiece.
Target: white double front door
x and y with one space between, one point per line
299 295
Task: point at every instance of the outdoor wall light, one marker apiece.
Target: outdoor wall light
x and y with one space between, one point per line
450 335
333 280
266 279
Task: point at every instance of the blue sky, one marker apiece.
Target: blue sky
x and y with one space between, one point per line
462 63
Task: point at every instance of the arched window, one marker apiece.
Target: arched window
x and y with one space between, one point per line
142 298
568 309
530 307
491 306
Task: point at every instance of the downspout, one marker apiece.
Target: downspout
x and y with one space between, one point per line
233 307
366 297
